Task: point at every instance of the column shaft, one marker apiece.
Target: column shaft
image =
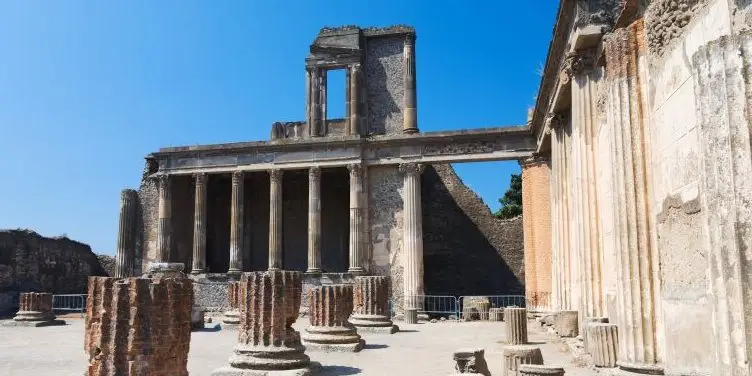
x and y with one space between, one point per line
126 245
164 224
314 102
236 223
355 99
275 219
410 118
314 220
199 224
412 238
356 218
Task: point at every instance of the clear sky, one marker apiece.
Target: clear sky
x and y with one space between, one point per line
88 88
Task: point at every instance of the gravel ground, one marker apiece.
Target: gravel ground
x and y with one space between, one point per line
421 349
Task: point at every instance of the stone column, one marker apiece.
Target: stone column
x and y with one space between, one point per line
314 220
329 308
536 203
517 355
412 236
567 323
164 225
236 223
315 107
126 244
410 117
35 309
357 231
723 89
637 265
269 305
275 219
516 319
231 316
355 70
560 218
471 361
199 224
371 305
603 344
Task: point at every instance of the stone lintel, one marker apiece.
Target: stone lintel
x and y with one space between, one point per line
587 37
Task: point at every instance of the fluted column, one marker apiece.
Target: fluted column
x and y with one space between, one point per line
355 70
314 124
164 225
126 245
412 235
356 218
314 220
410 117
199 224
637 262
723 88
371 305
236 223
329 308
275 219
563 267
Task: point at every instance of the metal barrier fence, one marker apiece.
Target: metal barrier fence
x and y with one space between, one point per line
451 307
69 303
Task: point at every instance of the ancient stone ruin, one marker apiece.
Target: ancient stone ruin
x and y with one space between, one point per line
471 361
231 317
516 320
35 309
371 305
329 308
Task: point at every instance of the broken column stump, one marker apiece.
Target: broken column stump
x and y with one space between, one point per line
231 317
539 370
585 323
496 314
603 342
517 355
267 344
516 319
411 315
371 305
329 308
471 360
34 309
567 324
138 326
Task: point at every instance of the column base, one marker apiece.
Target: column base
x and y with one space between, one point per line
332 339
373 324
356 271
311 369
32 324
198 271
234 271
313 271
629 369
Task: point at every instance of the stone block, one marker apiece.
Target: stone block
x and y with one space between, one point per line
603 344
517 355
329 308
411 316
567 324
471 360
371 305
496 314
539 370
197 317
516 320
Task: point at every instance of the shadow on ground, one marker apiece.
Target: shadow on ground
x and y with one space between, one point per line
338 371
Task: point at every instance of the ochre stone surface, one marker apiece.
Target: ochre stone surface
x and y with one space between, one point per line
35 306
536 220
371 304
329 308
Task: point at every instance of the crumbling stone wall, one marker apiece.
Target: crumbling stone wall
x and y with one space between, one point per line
108 264
384 72
30 262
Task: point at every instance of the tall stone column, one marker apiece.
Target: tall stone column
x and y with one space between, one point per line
637 289
314 220
357 230
164 219
563 267
412 236
536 203
199 224
236 223
126 245
355 70
723 89
315 108
275 219
410 111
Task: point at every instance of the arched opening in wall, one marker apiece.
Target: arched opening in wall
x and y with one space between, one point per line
466 249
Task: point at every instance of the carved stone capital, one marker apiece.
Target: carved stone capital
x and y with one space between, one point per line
555 120
577 62
411 168
275 175
314 173
356 170
237 177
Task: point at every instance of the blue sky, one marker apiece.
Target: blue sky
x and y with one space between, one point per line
87 88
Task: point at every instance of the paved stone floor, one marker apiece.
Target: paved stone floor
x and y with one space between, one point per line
422 349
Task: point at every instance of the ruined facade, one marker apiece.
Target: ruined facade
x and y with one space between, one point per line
365 195
643 115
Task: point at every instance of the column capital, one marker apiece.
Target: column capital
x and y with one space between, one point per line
555 120
237 177
356 169
576 62
163 181
411 168
533 160
314 173
199 178
275 175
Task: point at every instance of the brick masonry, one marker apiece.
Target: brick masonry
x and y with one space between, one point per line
536 202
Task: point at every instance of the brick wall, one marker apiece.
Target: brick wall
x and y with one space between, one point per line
536 202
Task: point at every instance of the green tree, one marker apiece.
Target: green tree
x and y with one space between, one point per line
511 202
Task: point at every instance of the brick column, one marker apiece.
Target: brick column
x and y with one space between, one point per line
329 308
275 219
126 244
371 305
35 309
357 230
314 220
236 224
199 224
409 113
536 200
412 238
164 225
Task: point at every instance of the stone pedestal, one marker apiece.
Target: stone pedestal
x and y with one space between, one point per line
471 361
138 326
585 324
539 370
371 305
566 324
329 308
231 317
516 319
603 344
267 343
517 355
411 316
35 309
496 314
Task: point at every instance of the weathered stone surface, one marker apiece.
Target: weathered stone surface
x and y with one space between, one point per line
516 320
567 324
471 361
31 262
539 370
536 199
232 314
411 316
585 324
127 234
198 315
330 306
35 309
496 314
603 343
108 265
269 304
516 355
371 304
138 326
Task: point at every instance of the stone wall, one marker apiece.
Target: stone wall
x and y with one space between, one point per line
384 73
30 262
108 264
